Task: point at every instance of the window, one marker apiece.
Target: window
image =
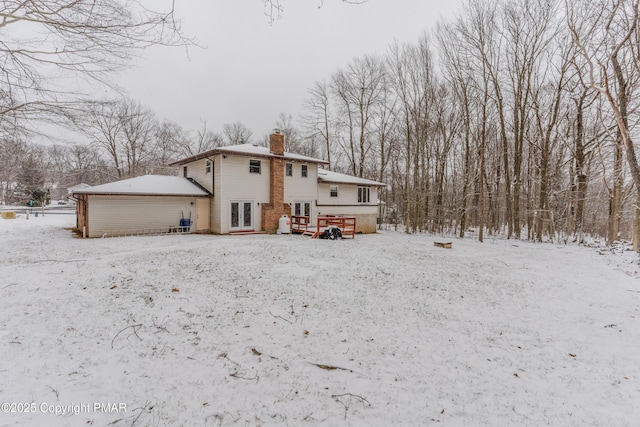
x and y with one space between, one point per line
364 194
254 166
289 169
333 190
184 171
305 171
208 166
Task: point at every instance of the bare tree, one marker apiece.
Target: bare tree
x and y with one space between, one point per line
105 128
82 164
606 34
205 140
169 142
472 54
275 8
547 104
237 133
125 132
138 124
12 152
292 139
357 89
318 118
385 132
50 48
457 72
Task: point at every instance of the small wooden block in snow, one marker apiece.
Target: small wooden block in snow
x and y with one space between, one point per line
446 245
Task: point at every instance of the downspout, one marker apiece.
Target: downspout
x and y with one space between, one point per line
213 176
213 192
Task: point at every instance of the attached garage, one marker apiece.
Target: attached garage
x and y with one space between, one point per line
147 204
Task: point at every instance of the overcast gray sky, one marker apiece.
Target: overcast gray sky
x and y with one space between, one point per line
250 71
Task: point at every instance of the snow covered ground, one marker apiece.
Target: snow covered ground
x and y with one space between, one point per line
265 330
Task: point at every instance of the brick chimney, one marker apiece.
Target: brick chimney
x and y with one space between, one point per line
276 142
272 211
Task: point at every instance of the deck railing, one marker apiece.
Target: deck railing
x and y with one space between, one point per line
299 224
302 225
346 224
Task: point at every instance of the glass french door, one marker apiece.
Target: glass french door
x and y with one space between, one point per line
302 209
241 215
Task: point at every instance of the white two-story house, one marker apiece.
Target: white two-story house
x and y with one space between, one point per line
238 188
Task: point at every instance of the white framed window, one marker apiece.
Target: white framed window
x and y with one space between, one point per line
364 194
305 171
184 172
255 166
288 167
333 191
208 166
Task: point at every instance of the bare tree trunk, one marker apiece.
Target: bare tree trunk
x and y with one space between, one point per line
467 169
636 224
615 193
580 173
619 20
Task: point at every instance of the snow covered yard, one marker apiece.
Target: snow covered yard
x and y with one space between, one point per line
381 330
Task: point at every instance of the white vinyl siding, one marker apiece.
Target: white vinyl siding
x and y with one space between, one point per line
122 214
298 189
346 204
239 184
347 195
198 172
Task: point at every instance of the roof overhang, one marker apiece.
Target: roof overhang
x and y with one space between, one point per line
89 193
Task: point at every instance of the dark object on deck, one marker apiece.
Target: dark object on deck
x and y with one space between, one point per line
446 245
331 233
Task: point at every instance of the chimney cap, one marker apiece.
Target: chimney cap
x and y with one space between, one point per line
276 131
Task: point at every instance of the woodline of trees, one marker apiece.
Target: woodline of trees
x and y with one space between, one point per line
518 117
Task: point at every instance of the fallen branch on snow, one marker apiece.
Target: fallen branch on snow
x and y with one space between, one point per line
286 320
348 397
135 331
330 367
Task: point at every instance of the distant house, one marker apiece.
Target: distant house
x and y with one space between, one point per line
237 188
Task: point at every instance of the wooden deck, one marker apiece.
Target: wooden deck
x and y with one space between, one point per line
302 225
